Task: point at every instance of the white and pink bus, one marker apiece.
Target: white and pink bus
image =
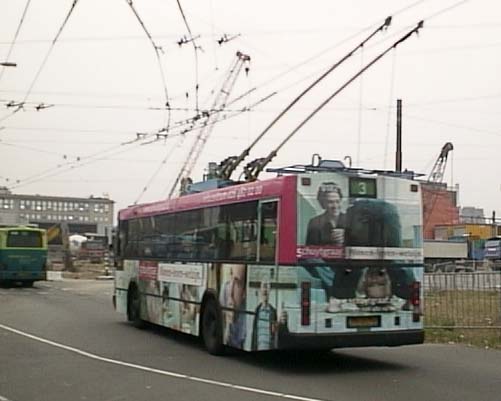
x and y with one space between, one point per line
312 258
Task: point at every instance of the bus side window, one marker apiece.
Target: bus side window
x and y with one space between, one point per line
268 226
241 238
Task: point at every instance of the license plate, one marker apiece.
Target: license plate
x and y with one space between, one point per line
357 322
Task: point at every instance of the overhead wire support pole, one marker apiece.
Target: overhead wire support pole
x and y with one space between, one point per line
253 169
229 165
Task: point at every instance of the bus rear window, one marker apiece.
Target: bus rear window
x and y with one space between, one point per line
24 239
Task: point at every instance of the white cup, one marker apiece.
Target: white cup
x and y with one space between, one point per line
337 236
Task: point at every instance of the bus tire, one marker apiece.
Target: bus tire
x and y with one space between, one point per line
134 307
212 327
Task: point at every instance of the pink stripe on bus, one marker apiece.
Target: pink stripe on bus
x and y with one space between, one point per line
288 222
283 188
233 194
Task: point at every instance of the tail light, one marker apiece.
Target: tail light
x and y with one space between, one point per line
305 303
415 293
416 301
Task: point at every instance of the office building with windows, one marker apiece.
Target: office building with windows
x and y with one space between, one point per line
83 215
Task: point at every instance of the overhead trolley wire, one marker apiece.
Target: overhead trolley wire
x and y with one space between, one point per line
334 46
116 150
44 62
316 56
159 168
81 162
157 50
195 48
11 47
229 165
253 169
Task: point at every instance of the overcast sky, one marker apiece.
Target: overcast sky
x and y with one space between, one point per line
103 82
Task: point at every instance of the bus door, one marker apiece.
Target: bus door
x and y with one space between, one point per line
263 280
267 231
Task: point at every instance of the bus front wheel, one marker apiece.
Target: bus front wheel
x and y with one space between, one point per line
212 327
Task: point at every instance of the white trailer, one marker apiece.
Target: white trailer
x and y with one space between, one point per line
443 255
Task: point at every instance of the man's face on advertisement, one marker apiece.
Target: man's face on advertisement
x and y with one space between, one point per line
332 204
238 285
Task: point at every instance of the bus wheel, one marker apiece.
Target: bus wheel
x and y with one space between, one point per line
212 327
134 307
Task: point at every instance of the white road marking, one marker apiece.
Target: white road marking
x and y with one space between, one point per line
158 371
3 398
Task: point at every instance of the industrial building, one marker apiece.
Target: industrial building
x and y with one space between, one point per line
82 215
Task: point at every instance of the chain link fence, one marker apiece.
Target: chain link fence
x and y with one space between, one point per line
463 300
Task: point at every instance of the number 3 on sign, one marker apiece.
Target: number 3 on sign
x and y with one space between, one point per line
362 188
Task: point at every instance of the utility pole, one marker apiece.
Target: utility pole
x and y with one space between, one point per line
398 158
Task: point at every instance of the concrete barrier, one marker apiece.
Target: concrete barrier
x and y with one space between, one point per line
54 275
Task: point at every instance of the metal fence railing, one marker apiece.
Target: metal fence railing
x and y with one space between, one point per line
466 300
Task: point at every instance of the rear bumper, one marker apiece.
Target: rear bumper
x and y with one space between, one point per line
357 339
22 275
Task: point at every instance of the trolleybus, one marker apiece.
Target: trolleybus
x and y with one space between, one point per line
316 257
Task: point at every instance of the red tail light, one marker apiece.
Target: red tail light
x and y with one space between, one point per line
416 293
305 303
416 301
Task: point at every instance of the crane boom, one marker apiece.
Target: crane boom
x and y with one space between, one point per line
218 105
437 172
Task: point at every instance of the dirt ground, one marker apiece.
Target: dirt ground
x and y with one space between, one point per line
85 270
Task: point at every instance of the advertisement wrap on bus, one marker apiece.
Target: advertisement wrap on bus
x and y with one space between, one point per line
324 260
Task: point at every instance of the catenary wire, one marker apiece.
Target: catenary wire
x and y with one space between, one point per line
11 46
157 50
195 49
44 62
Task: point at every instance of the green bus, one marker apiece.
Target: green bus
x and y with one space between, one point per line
23 255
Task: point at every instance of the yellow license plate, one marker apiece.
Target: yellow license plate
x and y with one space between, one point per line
356 322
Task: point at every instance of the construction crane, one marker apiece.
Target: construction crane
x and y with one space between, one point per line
212 114
437 172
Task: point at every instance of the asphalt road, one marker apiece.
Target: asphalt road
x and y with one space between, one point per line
63 341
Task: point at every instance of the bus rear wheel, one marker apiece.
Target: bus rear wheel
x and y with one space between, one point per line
212 328
134 308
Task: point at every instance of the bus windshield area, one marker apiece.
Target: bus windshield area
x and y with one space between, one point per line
24 239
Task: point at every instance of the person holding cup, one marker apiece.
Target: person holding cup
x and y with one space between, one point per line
328 227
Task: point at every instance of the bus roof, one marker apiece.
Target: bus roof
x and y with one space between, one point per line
273 187
338 166
22 228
